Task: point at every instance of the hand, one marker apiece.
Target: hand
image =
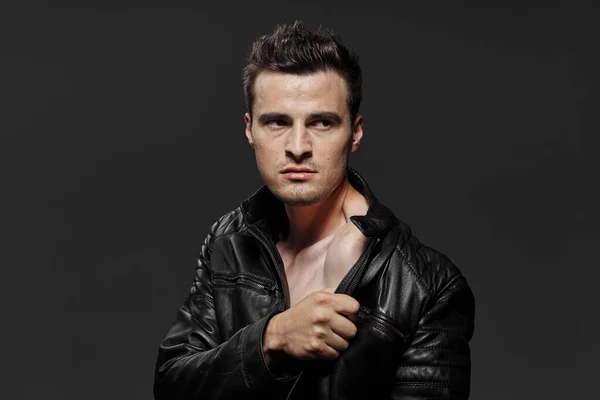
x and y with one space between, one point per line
318 327
345 249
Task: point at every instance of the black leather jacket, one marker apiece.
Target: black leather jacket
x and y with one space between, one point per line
414 324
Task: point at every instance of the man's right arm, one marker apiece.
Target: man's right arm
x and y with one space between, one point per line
193 360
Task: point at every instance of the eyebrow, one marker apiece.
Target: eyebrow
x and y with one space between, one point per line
264 118
326 115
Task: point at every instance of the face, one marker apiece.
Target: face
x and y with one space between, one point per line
302 121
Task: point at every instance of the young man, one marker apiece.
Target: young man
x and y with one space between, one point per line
313 289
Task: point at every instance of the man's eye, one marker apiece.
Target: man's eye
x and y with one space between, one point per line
276 123
322 124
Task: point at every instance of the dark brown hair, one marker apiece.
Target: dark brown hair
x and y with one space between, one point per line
297 50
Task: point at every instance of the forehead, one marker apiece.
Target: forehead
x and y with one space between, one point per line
292 93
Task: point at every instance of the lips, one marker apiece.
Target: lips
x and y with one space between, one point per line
285 171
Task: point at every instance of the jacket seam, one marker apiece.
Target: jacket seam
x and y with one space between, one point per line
215 237
455 284
441 330
265 280
404 366
432 347
378 321
380 329
232 220
247 376
447 384
234 287
414 271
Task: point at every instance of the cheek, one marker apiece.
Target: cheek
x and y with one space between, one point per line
336 151
263 143
265 155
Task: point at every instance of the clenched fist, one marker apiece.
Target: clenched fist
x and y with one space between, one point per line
318 327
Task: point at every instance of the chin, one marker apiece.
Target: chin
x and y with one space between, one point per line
296 196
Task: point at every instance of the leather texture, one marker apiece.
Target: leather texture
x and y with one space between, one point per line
414 326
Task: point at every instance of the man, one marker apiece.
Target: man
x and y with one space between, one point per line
313 289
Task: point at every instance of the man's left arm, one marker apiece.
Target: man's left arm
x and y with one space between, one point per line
437 361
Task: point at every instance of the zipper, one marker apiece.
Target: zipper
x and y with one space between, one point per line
277 262
381 321
361 269
246 280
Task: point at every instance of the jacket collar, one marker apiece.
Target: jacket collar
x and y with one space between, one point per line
267 213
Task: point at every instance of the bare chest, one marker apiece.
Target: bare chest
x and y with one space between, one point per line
305 273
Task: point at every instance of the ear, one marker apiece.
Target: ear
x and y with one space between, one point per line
248 131
357 133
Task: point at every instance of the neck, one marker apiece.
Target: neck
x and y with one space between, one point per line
311 224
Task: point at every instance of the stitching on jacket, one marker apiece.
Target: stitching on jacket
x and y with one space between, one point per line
404 366
231 221
444 384
247 377
440 299
432 347
233 287
262 359
222 235
229 218
261 278
442 330
412 267
375 326
378 316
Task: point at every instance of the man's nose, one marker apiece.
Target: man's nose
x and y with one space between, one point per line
298 144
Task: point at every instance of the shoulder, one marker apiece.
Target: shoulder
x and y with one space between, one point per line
434 271
228 223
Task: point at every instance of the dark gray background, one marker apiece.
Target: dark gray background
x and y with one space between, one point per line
122 141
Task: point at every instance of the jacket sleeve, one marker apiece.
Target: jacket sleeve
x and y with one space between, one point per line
437 363
194 362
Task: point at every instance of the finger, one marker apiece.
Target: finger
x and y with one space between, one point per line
336 342
329 353
321 348
344 304
351 317
329 290
343 327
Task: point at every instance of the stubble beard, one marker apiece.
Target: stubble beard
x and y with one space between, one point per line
298 196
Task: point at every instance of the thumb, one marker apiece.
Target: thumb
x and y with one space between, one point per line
329 290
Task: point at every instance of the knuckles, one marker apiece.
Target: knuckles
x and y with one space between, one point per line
321 298
315 346
318 333
321 316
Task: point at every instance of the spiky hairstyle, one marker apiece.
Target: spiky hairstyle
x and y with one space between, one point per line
297 50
